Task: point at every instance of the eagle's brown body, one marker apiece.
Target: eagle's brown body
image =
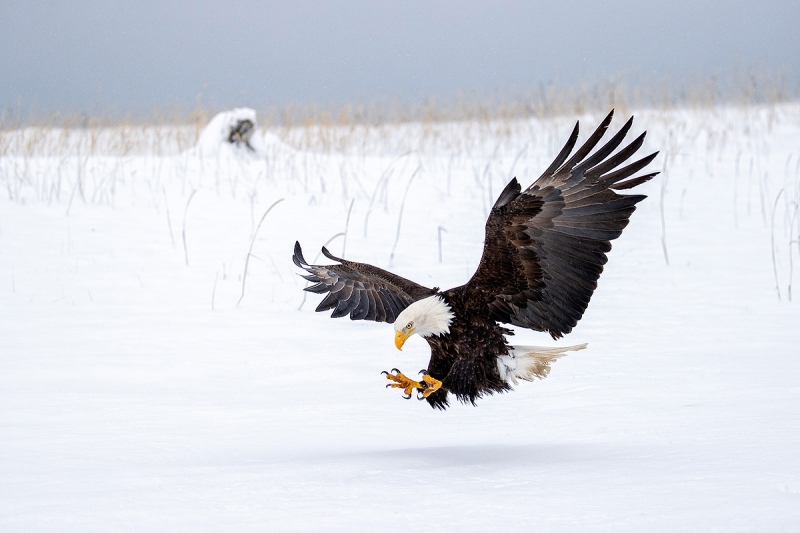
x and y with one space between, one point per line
544 250
465 360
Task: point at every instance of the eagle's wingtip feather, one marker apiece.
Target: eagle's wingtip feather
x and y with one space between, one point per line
298 258
329 255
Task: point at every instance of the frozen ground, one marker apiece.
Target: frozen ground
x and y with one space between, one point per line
135 395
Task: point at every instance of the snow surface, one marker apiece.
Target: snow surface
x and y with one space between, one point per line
136 395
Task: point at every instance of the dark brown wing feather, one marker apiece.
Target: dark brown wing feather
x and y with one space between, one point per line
363 291
546 246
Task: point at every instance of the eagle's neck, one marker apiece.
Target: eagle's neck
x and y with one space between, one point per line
431 316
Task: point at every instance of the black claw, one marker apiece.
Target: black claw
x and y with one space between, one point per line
396 371
420 397
389 385
407 397
384 372
424 372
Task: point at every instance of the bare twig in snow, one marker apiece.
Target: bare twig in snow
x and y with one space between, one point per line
169 220
214 290
250 250
381 182
440 230
347 225
774 263
183 229
664 179
792 241
400 216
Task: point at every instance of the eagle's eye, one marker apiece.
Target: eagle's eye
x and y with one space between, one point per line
409 325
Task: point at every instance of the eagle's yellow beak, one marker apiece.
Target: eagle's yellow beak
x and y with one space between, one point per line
400 338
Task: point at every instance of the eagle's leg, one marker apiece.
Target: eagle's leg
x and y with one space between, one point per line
432 383
427 386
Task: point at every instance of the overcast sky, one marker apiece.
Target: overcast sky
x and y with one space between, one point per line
136 56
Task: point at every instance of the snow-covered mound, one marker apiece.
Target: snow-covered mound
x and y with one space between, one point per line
234 132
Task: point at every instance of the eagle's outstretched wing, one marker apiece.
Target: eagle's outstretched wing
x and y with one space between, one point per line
364 291
546 246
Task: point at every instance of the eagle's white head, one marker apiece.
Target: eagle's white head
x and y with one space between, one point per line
429 316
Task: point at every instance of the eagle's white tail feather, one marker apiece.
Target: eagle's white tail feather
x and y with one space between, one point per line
529 362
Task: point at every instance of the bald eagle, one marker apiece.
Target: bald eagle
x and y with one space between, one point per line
544 250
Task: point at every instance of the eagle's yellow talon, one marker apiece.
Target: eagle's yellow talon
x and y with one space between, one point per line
427 387
433 385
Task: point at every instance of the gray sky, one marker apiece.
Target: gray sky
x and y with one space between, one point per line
137 56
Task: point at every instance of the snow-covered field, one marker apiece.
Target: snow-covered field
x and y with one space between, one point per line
138 393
